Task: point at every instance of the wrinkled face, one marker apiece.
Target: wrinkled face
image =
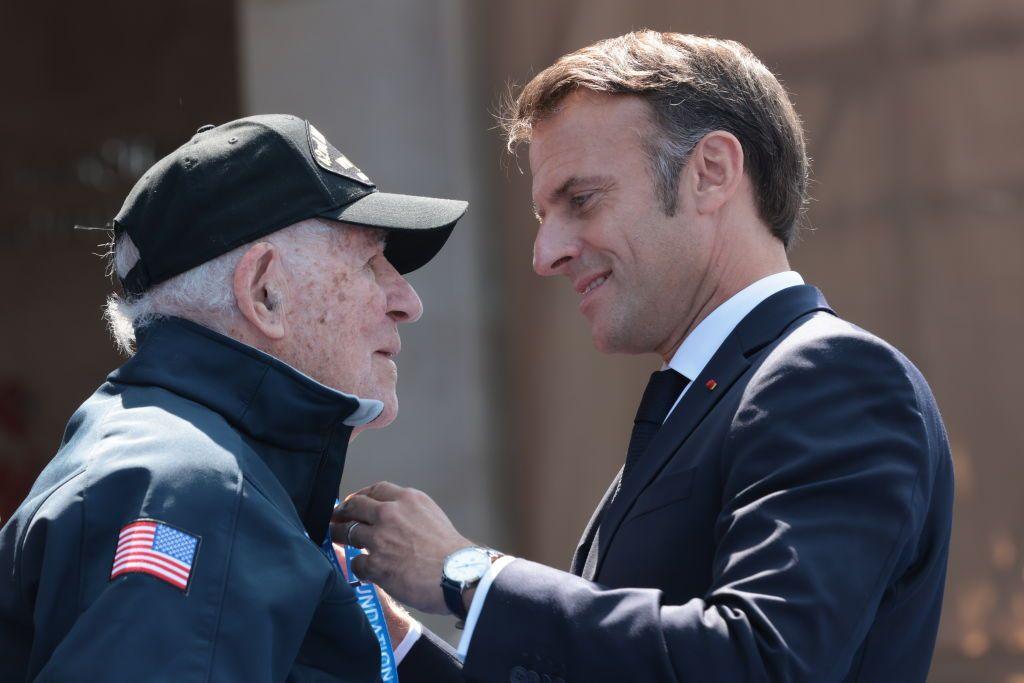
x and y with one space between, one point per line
636 270
349 300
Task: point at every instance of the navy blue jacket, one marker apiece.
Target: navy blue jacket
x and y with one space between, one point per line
232 448
790 522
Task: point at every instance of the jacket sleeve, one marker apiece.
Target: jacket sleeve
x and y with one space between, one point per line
431 660
826 479
249 596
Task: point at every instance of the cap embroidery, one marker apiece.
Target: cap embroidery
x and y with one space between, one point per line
330 159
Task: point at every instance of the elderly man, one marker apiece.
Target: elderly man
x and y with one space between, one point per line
784 509
177 533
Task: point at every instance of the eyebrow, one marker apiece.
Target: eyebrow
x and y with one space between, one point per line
375 243
571 184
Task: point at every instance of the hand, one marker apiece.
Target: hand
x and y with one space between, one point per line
407 536
398 621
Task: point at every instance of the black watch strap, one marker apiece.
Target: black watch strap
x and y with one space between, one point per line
453 597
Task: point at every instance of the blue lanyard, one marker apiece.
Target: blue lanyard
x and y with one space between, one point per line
369 601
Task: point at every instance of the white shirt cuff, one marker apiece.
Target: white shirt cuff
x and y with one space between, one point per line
478 602
415 631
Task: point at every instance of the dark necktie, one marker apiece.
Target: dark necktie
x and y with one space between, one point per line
660 395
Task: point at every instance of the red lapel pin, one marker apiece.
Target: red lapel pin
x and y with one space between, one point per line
711 384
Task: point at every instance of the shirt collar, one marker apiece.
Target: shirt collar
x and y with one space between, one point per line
701 344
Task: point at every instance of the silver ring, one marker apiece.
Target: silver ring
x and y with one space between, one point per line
348 534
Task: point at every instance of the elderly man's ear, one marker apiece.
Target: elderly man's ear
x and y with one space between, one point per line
261 289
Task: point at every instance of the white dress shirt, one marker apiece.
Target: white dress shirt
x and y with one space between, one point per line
701 345
689 360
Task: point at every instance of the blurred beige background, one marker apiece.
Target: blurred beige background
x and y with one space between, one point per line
510 419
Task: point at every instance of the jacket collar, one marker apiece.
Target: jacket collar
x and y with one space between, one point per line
262 397
706 338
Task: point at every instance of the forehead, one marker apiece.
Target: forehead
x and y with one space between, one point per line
589 133
350 236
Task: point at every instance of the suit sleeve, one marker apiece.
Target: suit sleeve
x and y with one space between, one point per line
431 660
825 472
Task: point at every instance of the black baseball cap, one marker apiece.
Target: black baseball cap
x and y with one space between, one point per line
233 183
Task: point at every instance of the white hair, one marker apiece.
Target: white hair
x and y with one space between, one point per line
204 294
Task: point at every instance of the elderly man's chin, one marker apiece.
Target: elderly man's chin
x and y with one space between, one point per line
386 393
390 412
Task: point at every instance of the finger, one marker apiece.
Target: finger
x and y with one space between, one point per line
362 567
384 491
381 487
356 534
357 508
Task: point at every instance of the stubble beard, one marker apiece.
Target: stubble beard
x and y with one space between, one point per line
630 328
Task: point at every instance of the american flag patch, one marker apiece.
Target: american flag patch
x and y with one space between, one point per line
150 547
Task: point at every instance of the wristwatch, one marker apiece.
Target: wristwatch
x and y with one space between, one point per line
461 571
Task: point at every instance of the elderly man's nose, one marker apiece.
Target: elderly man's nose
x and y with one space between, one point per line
404 304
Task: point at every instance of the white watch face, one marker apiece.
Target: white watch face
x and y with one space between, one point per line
467 565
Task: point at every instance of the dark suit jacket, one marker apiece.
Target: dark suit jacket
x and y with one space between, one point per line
789 524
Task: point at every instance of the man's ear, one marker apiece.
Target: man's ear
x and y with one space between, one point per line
715 171
261 289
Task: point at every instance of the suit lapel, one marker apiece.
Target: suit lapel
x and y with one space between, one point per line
583 547
724 368
759 328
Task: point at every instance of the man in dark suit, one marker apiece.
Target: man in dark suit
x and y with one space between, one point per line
784 509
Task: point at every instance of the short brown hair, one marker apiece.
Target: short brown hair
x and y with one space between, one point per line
694 85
